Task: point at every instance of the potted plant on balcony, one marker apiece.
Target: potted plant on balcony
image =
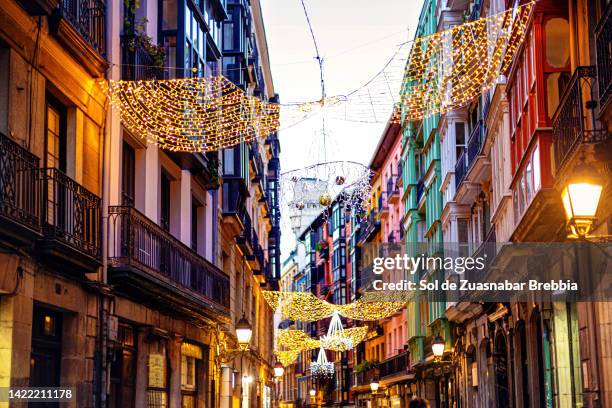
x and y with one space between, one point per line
321 245
366 365
135 31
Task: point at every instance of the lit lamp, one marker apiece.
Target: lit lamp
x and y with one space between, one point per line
244 332
279 370
581 197
374 385
437 347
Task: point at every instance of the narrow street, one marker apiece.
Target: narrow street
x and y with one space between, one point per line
299 203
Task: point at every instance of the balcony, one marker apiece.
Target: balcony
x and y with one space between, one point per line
137 62
383 205
475 143
247 236
393 237
394 366
362 380
147 262
369 226
71 219
47 206
603 41
80 25
393 190
420 188
20 202
574 121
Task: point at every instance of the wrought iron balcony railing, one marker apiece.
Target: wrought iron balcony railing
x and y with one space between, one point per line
136 241
475 142
137 63
461 168
19 184
383 205
88 17
419 190
395 365
71 213
574 121
603 41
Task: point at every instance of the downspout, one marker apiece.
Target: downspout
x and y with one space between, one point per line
103 371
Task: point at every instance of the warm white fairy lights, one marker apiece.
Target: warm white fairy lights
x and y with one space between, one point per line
197 114
311 191
450 68
322 367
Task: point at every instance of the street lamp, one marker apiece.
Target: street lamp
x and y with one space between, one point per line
581 197
244 332
312 393
437 347
279 370
374 385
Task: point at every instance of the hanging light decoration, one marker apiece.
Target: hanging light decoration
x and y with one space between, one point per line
450 68
296 340
307 307
325 200
309 192
198 114
287 357
335 335
322 367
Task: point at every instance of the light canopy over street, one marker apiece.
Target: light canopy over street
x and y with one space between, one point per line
299 203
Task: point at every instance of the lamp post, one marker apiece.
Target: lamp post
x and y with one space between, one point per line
313 397
244 332
580 198
437 348
279 370
374 385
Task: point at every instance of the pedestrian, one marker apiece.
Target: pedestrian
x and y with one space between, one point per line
417 402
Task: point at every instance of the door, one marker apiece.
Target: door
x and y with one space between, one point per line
45 360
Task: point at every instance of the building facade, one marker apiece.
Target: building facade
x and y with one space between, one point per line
126 267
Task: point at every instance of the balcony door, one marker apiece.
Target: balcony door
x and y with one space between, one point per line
128 179
55 141
55 159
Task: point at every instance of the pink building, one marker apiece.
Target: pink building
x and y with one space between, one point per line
386 165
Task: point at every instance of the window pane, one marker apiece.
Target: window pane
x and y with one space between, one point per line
557 42
169 17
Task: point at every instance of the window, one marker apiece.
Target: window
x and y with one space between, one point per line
164 216
55 148
128 166
459 138
169 14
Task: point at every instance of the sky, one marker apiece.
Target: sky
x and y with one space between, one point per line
355 38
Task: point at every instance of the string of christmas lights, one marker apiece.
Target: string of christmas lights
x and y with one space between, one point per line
442 71
322 367
287 357
307 307
448 69
309 192
197 114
